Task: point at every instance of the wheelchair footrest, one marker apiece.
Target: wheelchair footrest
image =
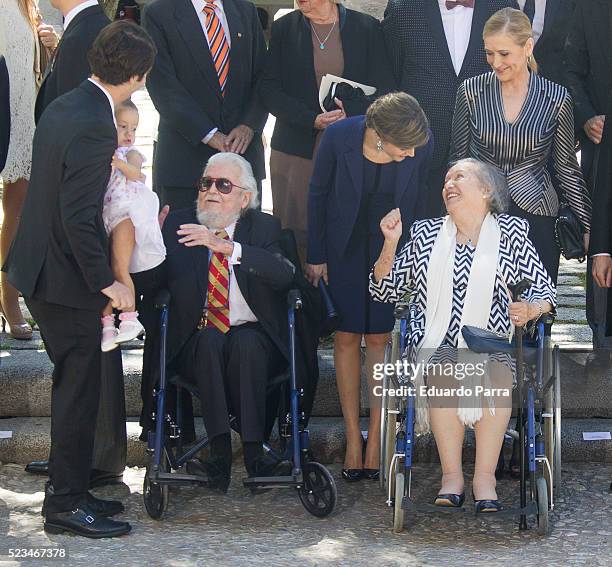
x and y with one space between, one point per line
256 481
530 510
178 478
412 506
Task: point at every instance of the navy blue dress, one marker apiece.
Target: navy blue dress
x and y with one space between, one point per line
348 274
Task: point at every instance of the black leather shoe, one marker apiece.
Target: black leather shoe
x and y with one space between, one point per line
371 474
450 500
98 506
216 469
99 478
38 467
265 465
352 475
84 522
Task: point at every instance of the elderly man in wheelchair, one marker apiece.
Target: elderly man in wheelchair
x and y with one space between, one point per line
227 331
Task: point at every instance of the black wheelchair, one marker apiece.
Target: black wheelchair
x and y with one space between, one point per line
538 423
314 483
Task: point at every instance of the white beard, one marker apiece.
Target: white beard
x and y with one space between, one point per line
215 221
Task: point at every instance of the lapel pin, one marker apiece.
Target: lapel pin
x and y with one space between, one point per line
239 34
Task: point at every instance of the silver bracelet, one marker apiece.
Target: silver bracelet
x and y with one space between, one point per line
540 309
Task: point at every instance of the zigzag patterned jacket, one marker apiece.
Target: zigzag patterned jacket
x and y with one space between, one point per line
517 259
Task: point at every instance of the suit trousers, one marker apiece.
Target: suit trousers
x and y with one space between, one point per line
231 372
184 197
596 297
72 339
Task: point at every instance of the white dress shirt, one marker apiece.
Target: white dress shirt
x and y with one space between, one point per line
77 10
239 310
457 29
198 6
538 19
108 96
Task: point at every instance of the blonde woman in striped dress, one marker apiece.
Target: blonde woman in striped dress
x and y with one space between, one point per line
522 124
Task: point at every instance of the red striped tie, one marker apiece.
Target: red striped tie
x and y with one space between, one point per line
219 47
217 315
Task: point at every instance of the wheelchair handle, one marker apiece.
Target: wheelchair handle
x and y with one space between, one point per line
162 299
294 299
518 289
329 304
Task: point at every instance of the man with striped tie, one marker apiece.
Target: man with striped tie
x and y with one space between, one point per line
227 327
210 54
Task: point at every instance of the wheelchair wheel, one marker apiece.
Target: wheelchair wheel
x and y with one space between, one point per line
155 495
398 512
318 493
387 420
542 501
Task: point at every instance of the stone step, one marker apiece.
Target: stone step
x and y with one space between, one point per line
25 383
30 441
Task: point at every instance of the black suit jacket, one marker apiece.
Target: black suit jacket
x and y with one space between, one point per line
601 225
60 252
588 56
5 112
422 63
548 51
70 66
184 87
289 89
263 277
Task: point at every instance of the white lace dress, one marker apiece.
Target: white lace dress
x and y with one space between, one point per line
135 201
17 44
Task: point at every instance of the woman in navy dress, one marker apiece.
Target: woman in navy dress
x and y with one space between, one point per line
365 167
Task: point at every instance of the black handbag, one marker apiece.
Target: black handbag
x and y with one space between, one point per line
342 91
569 235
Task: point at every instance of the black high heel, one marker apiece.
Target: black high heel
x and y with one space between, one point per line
371 474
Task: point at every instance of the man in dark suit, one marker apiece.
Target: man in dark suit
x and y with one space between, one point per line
203 86
83 20
435 45
59 261
5 112
550 21
588 56
227 327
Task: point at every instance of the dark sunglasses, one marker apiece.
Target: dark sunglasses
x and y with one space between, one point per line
223 184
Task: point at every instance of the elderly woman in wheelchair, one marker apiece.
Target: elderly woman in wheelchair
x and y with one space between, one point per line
458 271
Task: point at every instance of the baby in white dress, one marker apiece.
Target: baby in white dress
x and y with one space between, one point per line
130 215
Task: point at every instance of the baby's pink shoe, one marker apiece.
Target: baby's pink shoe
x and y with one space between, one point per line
129 328
109 333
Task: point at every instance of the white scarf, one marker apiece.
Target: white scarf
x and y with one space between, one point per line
476 308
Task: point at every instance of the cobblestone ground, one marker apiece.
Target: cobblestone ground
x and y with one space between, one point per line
272 529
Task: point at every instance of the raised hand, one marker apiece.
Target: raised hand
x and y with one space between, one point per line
391 225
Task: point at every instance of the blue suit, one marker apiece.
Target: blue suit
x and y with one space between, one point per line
348 197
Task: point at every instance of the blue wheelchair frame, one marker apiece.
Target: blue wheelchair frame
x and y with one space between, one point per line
531 394
314 483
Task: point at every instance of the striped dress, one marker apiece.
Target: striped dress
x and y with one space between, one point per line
541 135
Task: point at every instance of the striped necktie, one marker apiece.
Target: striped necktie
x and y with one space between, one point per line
217 313
219 47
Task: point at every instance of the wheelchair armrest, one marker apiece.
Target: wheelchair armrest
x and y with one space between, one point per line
162 299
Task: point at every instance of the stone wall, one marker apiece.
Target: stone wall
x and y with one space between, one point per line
372 7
